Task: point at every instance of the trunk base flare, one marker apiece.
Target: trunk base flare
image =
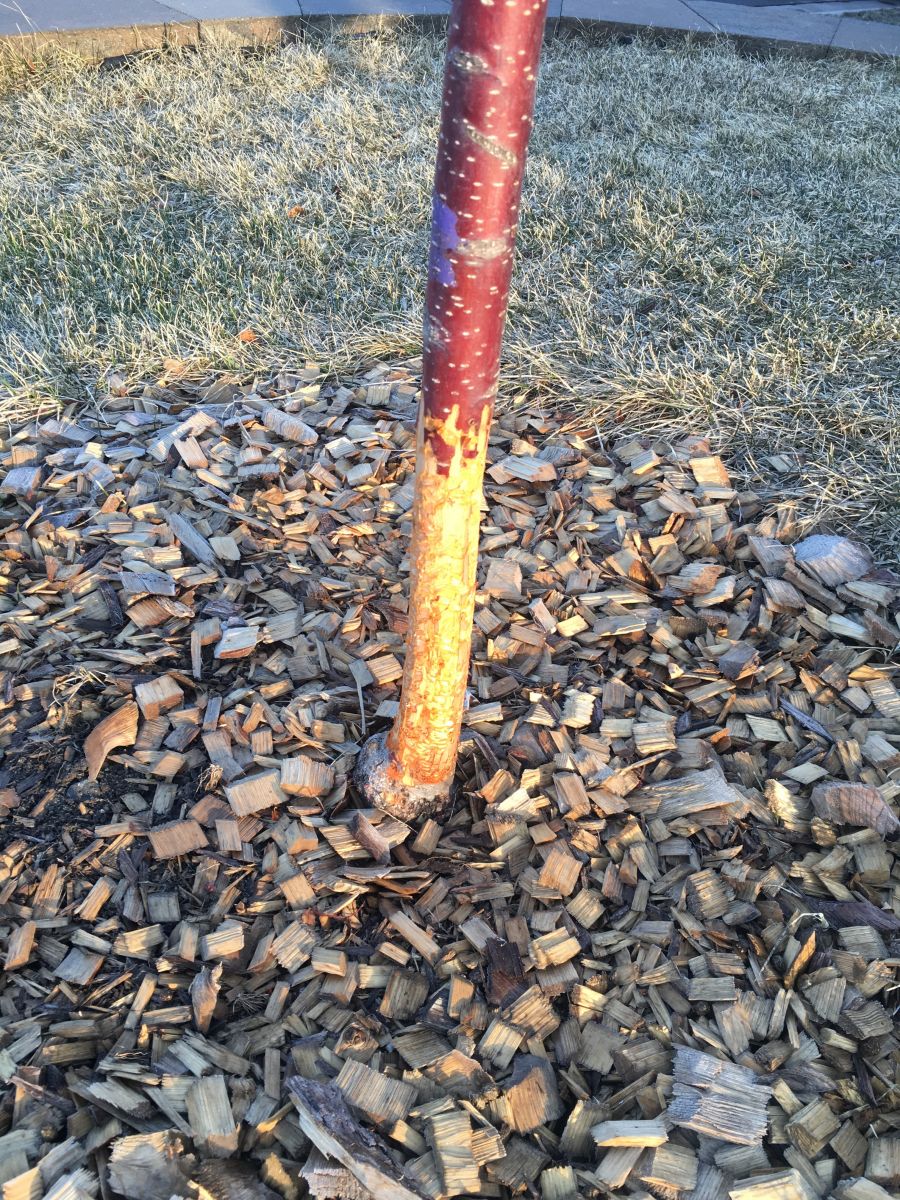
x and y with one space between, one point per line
379 782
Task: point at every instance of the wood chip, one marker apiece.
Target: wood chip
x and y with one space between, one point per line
118 729
211 1117
854 804
327 1122
255 793
176 838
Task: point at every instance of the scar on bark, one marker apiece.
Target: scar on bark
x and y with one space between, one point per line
469 64
482 249
491 145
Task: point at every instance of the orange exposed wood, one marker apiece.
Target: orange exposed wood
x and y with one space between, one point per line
444 555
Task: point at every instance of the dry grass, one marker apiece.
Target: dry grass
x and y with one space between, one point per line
709 241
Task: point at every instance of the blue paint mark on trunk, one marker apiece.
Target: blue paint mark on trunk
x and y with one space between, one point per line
444 238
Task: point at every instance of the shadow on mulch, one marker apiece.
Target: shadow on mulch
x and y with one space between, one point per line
49 776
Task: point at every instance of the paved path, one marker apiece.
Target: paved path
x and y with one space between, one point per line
110 27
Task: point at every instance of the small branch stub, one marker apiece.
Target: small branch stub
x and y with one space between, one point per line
488 101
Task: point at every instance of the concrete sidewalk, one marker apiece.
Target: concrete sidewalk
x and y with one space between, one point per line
104 28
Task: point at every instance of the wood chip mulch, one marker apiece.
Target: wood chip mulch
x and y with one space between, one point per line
652 947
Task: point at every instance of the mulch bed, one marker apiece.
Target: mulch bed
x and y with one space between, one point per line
650 948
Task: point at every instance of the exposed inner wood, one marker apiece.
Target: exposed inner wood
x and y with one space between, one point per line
444 563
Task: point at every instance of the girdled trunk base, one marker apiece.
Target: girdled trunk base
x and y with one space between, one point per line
379 781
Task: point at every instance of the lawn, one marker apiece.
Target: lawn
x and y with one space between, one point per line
708 240
887 16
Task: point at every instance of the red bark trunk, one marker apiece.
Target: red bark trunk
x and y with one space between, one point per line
493 48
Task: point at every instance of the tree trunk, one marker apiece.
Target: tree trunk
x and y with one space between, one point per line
493 48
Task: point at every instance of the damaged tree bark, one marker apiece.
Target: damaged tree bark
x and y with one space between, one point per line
489 82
